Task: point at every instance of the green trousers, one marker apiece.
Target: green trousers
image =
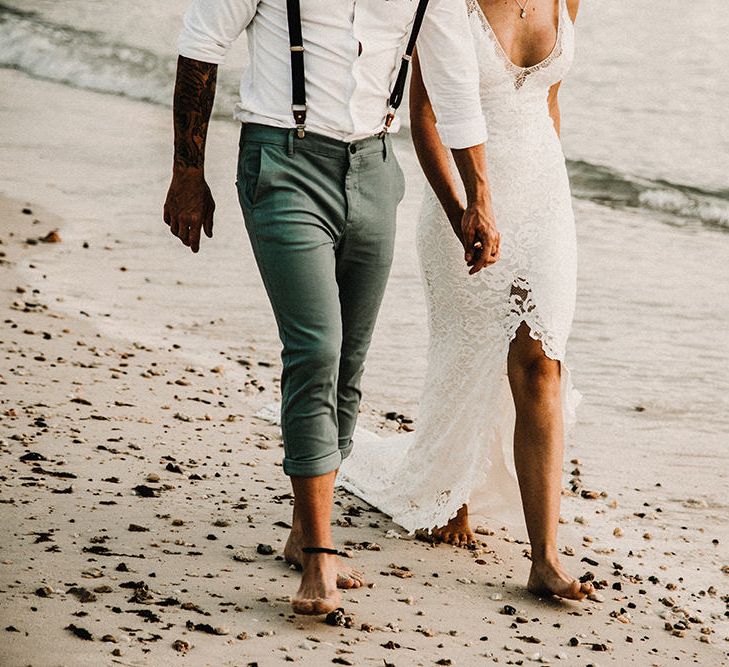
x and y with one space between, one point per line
320 214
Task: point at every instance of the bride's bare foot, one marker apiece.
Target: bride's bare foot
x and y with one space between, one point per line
457 531
347 577
548 577
318 592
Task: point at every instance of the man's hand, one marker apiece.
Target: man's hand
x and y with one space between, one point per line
481 240
189 207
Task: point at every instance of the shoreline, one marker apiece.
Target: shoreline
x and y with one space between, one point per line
146 404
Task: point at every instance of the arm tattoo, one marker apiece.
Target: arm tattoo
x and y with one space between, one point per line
193 103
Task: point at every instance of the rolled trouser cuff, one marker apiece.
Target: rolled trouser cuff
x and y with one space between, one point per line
345 447
314 467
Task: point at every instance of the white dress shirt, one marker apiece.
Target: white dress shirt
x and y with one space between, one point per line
347 94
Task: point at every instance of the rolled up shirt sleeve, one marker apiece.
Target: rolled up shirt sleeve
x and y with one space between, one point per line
211 26
450 72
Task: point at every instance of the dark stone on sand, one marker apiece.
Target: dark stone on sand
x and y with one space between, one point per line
206 628
144 491
168 602
173 467
573 641
264 549
338 618
508 610
341 661
181 646
83 594
32 456
147 614
589 561
53 473
80 401
11 628
122 567
81 633
136 528
27 211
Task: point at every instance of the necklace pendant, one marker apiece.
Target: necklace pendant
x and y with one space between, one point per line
523 13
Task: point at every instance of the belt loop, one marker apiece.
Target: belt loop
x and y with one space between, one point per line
290 143
384 148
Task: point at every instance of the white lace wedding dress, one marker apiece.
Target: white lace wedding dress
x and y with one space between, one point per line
461 450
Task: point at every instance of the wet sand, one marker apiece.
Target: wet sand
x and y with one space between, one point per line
146 511
144 505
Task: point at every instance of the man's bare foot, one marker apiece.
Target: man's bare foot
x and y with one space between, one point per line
548 578
457 531
347 577
318 592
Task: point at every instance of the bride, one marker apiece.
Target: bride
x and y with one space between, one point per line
496 375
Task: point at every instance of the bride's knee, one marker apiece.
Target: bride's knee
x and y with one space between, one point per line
533 374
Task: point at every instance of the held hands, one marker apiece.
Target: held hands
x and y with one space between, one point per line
189 207
479 236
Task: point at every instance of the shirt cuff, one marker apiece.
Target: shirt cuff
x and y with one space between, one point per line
463 134
204 50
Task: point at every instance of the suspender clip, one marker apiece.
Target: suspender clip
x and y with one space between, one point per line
388 121
299 112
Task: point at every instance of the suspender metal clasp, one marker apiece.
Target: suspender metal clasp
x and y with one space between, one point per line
388 122
299 112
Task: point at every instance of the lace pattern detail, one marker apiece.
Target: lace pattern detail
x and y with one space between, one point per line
519 74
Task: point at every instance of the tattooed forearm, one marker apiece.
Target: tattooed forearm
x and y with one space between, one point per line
193 103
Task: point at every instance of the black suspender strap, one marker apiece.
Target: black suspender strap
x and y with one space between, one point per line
398 89
298 80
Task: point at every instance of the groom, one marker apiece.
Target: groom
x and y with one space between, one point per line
319 189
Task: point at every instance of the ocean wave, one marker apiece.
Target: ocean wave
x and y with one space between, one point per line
611 187
85 59
81 58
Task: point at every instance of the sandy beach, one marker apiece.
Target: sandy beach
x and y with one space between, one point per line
144 505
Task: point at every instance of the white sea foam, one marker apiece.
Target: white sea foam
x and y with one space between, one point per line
706 209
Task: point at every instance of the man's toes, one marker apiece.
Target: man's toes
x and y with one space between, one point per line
312 607
574 591
347 581
350 579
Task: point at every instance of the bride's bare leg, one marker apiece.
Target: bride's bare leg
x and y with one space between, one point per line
538 451
457 531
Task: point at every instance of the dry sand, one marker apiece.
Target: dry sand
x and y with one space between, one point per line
144 505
